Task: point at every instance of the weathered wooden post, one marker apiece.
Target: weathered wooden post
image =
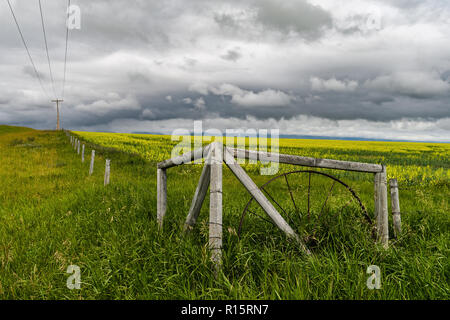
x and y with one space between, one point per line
78 147
82 153
381 207
91 167
107 170
395 206
199 196
215 205
161 202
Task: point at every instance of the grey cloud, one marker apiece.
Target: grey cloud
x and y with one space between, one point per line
297 16
232 55
29 70
293 16
417 85
129 57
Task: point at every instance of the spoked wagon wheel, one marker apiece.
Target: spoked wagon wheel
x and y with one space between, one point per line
315 204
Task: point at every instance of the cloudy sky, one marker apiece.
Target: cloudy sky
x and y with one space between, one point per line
355 68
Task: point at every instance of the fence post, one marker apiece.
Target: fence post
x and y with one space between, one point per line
78 147
107 170
395 206
381 207
82 153
91 168
161 203
215 205
199 196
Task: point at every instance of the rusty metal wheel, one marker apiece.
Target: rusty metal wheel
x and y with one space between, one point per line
310 201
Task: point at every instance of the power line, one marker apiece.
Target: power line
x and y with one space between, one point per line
65 55
46 48
26 48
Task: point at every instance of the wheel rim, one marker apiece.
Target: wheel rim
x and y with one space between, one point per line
308 210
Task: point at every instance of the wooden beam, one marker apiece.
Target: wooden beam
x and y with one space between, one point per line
91 167
306 161
395 207
257 194
184 158
381 207
161 204
199 195
215 205
107 171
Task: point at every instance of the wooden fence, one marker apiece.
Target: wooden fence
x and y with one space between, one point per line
211 177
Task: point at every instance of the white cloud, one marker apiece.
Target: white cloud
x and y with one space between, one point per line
148 114
200 104
199 87
247 98
332 84
112 103
403 129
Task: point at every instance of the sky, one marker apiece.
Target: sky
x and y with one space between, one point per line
375 69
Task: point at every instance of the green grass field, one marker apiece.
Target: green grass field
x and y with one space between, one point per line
53 214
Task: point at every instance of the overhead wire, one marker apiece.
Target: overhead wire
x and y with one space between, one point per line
65 55
28 51
46 49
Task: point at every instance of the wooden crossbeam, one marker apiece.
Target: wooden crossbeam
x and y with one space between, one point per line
306 161
184 158
199 195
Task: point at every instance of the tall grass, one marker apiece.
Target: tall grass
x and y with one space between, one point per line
53 214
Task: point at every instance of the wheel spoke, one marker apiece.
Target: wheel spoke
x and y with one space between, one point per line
290 192
259 216
292 198
328 195
270 196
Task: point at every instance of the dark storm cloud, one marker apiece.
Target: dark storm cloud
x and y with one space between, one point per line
257 17
256 61
297 16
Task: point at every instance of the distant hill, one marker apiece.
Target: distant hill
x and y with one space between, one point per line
310 137
12 129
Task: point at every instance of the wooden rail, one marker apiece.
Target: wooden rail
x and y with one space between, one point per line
306 161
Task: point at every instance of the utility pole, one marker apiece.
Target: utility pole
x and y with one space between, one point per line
57 112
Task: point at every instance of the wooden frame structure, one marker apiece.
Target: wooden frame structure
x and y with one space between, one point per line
216 154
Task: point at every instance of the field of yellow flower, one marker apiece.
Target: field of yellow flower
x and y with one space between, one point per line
409 162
